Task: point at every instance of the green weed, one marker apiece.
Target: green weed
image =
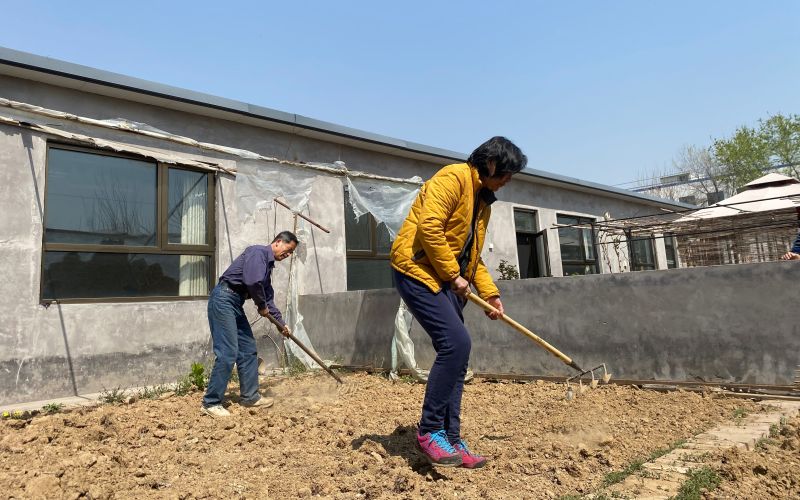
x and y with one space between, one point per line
112 396
51 408
700 480
739 412
638 464
153 392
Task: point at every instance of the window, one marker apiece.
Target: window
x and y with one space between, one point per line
642 253
368 246
121 227
577 245
690 200
531 246
670 246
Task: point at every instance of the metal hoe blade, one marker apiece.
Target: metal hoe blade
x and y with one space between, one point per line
593 382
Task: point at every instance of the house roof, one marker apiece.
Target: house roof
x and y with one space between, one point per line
765 194
64 74
772 178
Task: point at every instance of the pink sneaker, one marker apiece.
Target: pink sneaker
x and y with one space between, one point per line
438 449
468 459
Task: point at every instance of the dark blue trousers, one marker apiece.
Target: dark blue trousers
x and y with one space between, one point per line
440 314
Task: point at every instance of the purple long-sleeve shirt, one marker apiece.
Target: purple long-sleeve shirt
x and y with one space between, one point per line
252 272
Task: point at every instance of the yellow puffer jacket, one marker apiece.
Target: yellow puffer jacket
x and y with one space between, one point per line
433 235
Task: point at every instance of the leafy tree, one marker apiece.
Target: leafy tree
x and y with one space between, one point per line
783 136
744 156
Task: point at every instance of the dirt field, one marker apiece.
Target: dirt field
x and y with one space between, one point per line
770 471
359 443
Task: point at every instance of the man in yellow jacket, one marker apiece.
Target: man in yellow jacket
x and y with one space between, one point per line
436 257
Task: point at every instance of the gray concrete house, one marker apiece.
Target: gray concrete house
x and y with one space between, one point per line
121 205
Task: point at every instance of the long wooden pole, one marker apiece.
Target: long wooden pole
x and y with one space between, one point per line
552 350
305 349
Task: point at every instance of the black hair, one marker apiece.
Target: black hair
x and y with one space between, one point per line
286 237
507 157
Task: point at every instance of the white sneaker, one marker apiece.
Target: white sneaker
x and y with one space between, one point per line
260 403
216 411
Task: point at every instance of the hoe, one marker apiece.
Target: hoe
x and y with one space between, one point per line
605 377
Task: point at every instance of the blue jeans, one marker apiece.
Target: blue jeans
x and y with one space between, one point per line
440 314
233 344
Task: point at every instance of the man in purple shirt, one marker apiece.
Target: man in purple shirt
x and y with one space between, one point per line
249 276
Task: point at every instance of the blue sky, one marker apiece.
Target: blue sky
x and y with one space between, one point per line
603 91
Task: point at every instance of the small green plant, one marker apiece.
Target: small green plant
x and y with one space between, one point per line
235 375
762 443
16 414
507 271
112 396
183 386
153 392
51 408
198 376
774 430
700 480
739 413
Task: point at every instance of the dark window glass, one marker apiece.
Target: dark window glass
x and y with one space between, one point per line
383 243
367 274
670 247
524 221
187 207
578 270
110 221
100 200
84 275
358 232
368 247
578 255
642 254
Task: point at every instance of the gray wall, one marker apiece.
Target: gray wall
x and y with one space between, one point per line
730 323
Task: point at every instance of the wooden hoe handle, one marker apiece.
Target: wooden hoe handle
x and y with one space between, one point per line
306 350
555 352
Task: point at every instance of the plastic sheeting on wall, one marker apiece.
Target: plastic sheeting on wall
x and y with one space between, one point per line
258 182
388 202
403 346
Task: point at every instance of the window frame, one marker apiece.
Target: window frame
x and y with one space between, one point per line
161 246
671 242
582 220
631 254
542 233
372 253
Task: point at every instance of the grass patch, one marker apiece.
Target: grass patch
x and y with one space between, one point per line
700 480
619 476
51 408
153 391
113 396
638 464
739 413
762 443
183 386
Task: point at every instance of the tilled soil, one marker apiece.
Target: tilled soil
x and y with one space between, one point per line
354 443
772 470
